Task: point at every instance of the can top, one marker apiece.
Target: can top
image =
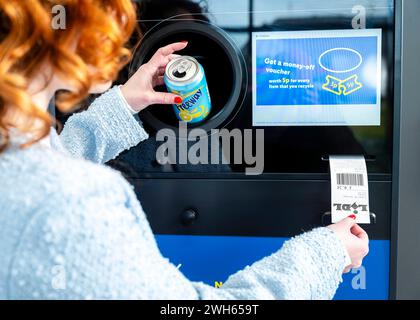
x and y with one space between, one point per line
182 69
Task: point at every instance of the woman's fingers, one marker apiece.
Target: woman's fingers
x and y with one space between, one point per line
173 56
166 54
164 98
161 71
354 239
158 81
138 90
173 47
357 231
363 238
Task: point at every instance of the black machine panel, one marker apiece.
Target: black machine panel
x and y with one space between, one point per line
258 208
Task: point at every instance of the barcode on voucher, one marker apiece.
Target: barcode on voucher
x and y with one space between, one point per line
350 179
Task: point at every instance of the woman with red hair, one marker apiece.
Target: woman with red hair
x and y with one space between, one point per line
73 229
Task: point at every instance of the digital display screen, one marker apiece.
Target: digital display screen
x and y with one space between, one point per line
317 78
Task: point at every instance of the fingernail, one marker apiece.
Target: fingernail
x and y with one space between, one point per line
178 100
184 41
352 216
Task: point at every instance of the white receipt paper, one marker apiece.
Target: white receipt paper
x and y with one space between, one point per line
349 188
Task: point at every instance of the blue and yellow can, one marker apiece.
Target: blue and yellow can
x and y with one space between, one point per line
185 77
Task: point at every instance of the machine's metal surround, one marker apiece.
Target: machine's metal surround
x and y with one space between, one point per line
405 237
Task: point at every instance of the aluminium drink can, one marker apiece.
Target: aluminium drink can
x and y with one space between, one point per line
185 77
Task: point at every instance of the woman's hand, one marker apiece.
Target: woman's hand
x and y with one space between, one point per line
354 239
139 89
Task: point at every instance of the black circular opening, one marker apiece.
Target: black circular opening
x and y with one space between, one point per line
221 59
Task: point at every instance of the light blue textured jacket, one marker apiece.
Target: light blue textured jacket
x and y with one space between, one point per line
74 229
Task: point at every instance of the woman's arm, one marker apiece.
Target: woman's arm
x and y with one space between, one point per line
108 127
308 266
104 248
103 131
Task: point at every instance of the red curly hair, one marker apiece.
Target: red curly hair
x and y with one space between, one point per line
99 28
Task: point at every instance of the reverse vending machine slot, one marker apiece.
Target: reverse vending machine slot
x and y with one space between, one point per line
222 61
